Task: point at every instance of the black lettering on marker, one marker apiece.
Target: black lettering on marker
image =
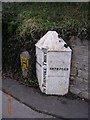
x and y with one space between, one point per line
65 69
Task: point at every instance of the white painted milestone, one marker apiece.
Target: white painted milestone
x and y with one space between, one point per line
53 60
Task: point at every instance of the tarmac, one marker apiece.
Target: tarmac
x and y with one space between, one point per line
13 108
61 107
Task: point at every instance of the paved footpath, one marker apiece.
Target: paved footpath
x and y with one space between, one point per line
19 110
56 106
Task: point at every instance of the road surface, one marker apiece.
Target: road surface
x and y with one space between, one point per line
19 110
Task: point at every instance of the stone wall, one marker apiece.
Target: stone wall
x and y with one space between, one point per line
79 67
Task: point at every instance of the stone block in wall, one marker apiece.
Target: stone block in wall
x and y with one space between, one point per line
83 86
80 58
86 81
86 68
80 50
79 65
74 90
79 73
75 41
73 71
85 42
74 64
78 80
81 93
83 74
85 95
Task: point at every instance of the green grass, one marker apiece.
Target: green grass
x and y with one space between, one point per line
48 15
53 15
